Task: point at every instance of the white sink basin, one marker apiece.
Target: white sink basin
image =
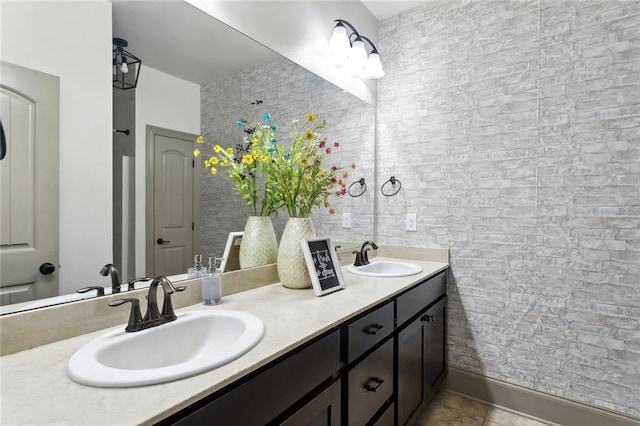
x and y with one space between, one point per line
197 341
386 268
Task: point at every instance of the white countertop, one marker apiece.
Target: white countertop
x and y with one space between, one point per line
36 391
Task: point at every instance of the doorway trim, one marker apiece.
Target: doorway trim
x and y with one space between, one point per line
152 132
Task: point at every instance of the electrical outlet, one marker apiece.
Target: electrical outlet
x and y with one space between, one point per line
411 222
346 220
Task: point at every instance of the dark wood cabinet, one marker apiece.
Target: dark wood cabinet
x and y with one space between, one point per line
323 410
421 359
370 385
264 397
374 369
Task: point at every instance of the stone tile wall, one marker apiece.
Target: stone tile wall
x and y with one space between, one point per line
514 127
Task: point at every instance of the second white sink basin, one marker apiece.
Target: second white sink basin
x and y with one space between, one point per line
386 268
197 341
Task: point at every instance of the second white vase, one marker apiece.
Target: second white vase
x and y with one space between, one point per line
292 267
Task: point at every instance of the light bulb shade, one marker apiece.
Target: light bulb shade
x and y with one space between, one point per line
339 44
373 68
357 56
126 67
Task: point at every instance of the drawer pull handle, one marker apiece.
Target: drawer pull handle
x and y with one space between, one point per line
373 329
427 318
377 382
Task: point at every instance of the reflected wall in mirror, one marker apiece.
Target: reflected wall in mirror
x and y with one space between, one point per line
286 92
86 121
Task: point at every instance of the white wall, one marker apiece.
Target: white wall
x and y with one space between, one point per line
300 31
163 101
72 40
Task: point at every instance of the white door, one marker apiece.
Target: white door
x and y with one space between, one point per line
171 236
29 110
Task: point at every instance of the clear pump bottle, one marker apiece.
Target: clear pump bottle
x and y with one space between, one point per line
197 270
212 283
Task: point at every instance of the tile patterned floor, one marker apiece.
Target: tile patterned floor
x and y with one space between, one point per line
448 409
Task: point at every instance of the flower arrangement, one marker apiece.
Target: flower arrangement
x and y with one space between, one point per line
298 176
244 168
295 178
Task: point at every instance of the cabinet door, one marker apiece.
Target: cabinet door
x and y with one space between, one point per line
270 393
323 410
435 348
410 369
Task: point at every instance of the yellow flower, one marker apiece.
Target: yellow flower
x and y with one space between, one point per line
229 151
254 142
217 148
200 139
311 117
213 161
308 134
213 171
247 159
224 163
196 152
264 159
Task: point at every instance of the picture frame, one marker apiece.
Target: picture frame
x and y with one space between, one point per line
323 265
231 256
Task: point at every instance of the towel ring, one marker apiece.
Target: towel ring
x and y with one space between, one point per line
363 187
393 181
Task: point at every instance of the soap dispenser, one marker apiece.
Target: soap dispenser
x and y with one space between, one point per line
212 283
197 270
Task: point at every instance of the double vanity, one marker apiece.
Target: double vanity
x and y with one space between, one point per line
368 353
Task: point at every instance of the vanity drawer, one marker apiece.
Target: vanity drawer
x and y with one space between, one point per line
370 384
265 396
364 333
421 296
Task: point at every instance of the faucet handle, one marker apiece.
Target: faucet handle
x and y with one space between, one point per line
132 284
135 316
359 260
94 287
167 304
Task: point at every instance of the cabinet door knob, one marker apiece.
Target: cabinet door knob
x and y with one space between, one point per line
373 329
426 318
373 384
161 241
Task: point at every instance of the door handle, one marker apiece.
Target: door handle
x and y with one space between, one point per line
160 241
47 268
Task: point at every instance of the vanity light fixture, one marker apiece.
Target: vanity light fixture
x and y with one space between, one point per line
126 67
349 50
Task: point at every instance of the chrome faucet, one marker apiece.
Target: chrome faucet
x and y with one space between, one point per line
110 269
362 258
153 316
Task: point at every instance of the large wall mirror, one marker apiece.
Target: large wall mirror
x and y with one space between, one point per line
198 77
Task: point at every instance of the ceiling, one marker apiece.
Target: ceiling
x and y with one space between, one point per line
383 9
181 40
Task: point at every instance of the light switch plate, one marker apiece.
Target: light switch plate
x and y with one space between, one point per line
346 220
411 222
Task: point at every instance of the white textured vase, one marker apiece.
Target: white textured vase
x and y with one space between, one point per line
292 268
259 245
